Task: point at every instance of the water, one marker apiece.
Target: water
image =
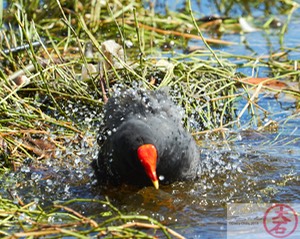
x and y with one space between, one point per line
258 43
253 166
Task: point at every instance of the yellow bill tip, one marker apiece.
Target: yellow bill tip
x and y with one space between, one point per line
156 184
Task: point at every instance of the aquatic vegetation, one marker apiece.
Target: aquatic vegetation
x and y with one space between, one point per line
61 60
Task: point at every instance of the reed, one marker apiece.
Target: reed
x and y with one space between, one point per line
45 103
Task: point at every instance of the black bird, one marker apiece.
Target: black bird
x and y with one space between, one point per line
142 140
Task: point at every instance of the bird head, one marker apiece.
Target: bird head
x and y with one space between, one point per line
147 154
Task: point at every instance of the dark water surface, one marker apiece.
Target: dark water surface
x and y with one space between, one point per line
252 166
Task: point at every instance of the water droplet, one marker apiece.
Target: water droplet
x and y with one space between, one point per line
67 188
25 169
35 176
32 207
51 219
49 182
77 160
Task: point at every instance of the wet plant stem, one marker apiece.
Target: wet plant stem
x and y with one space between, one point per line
141 55
201 35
